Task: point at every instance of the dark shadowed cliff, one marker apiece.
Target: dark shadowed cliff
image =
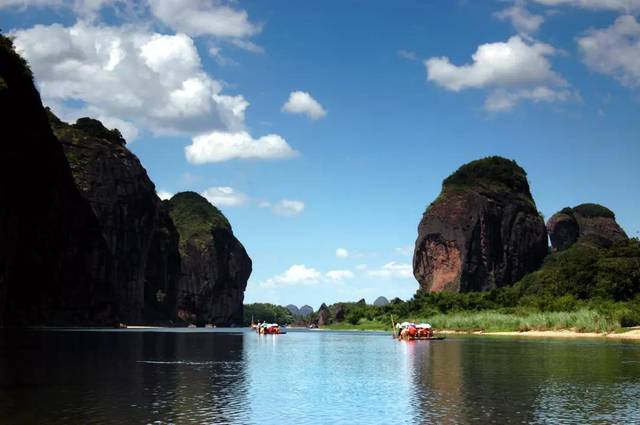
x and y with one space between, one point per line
587 224
215 265
482 232
141 237
54 263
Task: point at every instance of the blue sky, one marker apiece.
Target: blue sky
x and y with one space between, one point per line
319 126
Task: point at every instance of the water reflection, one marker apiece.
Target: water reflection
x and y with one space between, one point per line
122 377
207 377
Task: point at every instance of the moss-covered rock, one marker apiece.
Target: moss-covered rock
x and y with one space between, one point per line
482 232
215 265
589 224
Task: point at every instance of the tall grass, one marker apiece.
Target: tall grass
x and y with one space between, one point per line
583 320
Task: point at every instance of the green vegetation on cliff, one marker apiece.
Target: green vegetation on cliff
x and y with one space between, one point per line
494 174
590 211
195 218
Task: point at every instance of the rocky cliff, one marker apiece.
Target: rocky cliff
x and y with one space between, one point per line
133 221
215 265
482 232
54 263
587 223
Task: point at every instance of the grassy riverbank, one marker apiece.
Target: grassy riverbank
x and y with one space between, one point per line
581 321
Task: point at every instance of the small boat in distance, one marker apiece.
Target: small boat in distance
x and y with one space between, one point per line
269 329
410 331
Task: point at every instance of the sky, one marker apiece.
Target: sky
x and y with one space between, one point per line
322 129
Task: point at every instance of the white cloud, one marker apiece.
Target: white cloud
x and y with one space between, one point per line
164 195
224 196
522 20
392 270
614 51
86 9
288 207
508 63
339 275
219 146
144 79
626 6
298 274
300 102
216 53
516 69
407 54
200 17
248 46
284 207
504 100
342 253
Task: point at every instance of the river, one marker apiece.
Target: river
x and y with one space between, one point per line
218 376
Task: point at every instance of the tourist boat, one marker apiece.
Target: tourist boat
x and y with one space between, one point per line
410 331
269 329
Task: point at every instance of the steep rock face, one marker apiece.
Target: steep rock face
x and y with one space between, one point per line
54 262
482 232
215 265
586 223
136 226
324 315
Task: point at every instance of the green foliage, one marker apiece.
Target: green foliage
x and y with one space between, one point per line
594 210
195 218
493 172
586 272
264 312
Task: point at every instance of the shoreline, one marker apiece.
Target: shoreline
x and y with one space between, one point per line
631 334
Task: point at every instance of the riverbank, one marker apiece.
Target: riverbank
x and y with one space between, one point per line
497 328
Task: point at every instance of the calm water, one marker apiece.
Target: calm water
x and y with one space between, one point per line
216 376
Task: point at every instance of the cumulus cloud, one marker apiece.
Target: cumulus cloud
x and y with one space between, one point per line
200 17
164 195
298 274
522 20
516 70
614 51
303 103
224 196
144 79
626 6
342 253
392 270
219 146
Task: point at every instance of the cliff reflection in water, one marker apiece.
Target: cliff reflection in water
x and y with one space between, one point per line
122 377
